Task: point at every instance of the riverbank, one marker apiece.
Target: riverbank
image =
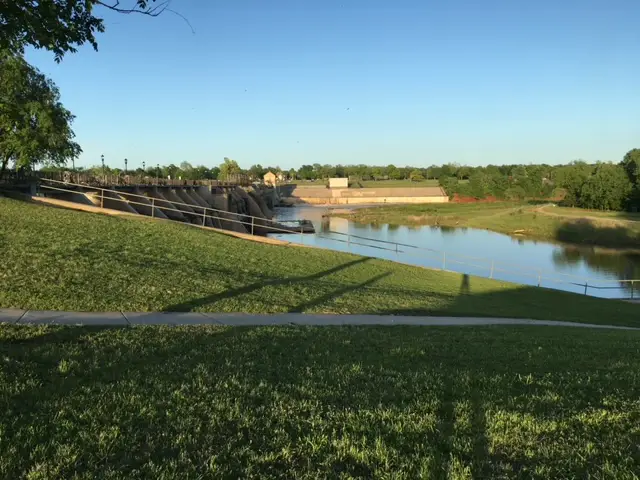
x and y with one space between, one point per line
66 260
602 229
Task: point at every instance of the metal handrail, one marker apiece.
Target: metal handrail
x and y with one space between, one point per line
541 275
149 198
275 227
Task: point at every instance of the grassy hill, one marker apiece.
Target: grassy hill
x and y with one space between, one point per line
66 260
294 402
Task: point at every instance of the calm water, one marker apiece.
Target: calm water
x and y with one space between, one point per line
474 251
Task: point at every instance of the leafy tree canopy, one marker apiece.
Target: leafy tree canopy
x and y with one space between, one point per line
631 164
35 127
228 168
61 25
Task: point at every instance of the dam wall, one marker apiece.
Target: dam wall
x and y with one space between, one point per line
225 206
291 195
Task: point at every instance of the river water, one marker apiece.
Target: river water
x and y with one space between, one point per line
476 252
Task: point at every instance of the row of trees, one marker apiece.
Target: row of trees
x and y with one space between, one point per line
605 186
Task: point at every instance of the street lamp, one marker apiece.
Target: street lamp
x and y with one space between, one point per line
103 175
125 165
157 173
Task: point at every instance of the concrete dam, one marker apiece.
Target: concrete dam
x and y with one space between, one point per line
320 195
242 209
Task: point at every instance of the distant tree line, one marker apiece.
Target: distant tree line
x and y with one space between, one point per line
602 186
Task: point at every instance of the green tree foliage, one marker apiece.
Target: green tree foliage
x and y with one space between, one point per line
449 185
571 177
631 164
307 172
416 176
257 171
35 127
479 184
228 168
516 193
61 25
608 188
394 173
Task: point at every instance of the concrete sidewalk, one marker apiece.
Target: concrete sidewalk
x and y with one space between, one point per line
33 317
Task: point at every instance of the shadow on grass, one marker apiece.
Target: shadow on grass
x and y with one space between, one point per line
585 231
231 293
290 402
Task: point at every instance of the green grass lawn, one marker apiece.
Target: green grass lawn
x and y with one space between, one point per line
334 402
55 259
560 224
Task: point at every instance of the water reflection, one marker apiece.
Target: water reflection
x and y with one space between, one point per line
624 265
445 230
516 259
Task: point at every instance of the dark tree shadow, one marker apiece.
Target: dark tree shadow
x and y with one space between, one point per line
209 299
465 287
586 232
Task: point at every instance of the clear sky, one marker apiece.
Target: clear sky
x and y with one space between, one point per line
408 82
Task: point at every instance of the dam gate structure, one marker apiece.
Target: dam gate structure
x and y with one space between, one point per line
234 206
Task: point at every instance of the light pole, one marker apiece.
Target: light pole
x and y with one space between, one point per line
103 175
157 174
125 165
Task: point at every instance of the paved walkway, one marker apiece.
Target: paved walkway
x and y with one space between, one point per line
33 317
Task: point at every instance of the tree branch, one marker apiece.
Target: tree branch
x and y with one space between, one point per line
155 11
152 12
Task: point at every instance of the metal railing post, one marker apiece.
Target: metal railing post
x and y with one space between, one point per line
491 274
301 233
204 217
586 285
632 282
252 224
153 207
539 278
102 198
444 260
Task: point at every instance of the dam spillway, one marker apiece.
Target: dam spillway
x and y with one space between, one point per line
229 207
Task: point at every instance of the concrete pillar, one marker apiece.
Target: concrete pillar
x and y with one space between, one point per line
165 205
79 197
172 195
257 197
143 204
226 202
188 197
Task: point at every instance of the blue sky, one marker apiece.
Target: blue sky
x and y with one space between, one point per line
408 82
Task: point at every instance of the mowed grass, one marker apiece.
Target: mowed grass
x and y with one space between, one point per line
332 402
55 259
546 223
